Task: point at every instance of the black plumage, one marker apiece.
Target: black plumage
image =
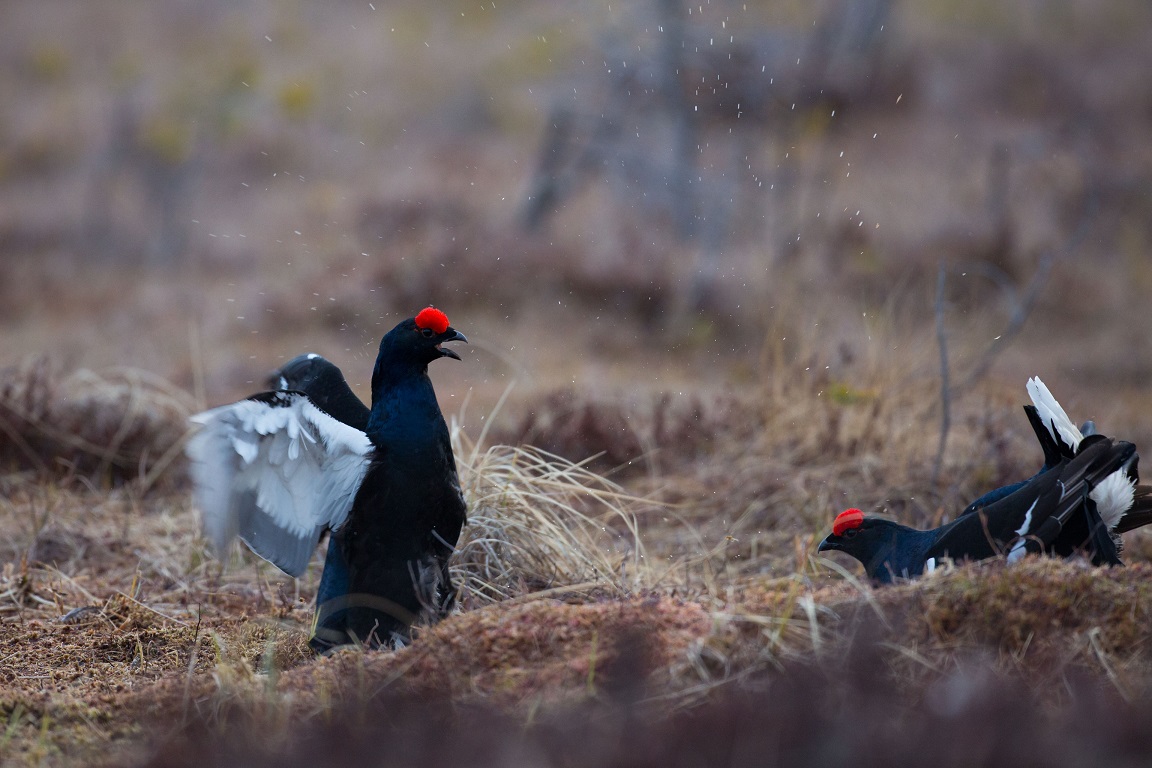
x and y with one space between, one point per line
409 510
1122 504
1050 513
324 384
281 468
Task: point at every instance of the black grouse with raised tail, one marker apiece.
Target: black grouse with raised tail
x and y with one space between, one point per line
1121 502
1050 513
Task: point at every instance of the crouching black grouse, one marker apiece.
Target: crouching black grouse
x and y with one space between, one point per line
280 468
1050 513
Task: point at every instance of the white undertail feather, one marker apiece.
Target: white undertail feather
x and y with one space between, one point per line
1052 414
1115 494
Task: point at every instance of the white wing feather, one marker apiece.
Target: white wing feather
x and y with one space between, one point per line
276 474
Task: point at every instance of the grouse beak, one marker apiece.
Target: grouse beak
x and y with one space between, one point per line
828 544
451 335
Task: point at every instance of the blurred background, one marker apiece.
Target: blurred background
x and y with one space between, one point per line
614 198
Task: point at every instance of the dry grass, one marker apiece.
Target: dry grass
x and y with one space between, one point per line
123 598
117 617
540 524
151 641
527 664
641 587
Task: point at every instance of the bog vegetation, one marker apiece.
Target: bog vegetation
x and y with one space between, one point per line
706 315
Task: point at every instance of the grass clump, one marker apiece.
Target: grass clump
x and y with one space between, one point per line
538 523
113 428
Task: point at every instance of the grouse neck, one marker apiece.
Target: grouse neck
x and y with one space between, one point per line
402 401
393 367
901 555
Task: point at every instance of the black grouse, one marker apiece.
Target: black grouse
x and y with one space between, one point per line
280 468
1121 503
324 384
326 387
1051 513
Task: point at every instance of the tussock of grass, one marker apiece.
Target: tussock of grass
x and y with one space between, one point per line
120 426
523 655
540 523
522 658
1021 609
792 647
663 431
844 711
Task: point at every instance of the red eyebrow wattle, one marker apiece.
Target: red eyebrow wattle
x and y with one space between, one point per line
433 319
846 520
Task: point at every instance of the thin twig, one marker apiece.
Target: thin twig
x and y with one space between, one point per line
150 609
945 387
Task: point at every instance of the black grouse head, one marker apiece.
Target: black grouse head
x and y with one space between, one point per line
325 386
870 540
307 373
418 339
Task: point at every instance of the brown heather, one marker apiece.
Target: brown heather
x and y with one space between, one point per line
668 394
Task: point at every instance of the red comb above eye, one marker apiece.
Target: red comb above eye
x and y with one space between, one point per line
432 318
846 520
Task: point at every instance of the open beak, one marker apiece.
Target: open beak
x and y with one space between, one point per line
451 335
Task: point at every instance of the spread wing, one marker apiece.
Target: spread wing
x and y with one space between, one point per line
276 471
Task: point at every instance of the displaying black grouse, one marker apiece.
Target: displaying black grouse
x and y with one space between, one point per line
280 468
1121 503
1051 513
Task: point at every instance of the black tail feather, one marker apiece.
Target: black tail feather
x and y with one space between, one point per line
1048 444
1141 512
1101 546
1080 526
